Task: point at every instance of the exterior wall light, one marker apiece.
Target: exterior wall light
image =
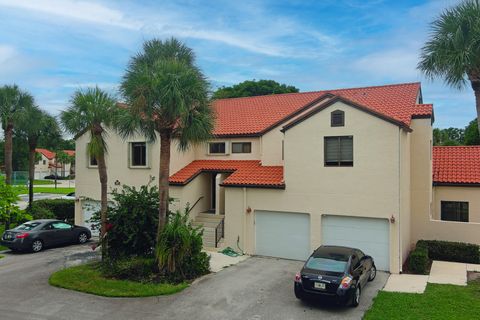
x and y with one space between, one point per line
392 219
249 210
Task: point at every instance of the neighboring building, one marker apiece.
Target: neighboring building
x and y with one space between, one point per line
286 173
47 164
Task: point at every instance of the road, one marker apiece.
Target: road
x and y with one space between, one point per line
255 289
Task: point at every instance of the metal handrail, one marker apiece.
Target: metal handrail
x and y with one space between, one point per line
191 208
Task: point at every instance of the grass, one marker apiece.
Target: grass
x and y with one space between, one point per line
1 256
438 302
59 190
87 278
2 229
37 182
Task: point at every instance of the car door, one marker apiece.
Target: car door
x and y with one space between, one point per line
63 232
363 268
47 235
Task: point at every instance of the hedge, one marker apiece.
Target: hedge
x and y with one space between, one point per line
61 209
451 251
427 250
418 262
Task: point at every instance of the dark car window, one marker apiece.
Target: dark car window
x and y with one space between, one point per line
61 225
355 262
325 264
27 226
47 227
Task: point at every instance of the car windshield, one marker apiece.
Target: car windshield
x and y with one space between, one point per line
27 226
326 264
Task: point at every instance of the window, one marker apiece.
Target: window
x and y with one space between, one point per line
339 151
454 211
44 162
241 147
138 154
93 161
61 226
337 118
216 147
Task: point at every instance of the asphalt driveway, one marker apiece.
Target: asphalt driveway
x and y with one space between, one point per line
256 289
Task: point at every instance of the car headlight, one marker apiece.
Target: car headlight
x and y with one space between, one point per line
346 282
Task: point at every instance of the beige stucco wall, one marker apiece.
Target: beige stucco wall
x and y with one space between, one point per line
370 188
198 188
404 220
468 194
201 151
272 147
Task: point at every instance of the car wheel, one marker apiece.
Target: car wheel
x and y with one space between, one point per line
298 293
356 297
82 237
37 245
373 273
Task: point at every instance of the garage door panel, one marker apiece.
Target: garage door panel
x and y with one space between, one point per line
282 234
367 234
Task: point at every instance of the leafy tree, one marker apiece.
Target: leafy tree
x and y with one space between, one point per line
63 158
92 110
9 211
453 50
472 137
167 94
252 88
448 137
33 123
12 102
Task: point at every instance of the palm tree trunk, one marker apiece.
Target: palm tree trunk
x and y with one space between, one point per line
31 172
102 172
164 174
476 90
8 152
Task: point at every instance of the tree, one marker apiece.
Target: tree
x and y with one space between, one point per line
33 123
252 88
453 51
167 94
448 137
472 137
9 211
12 102
63 158
93 110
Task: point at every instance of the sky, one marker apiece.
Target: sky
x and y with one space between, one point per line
53 47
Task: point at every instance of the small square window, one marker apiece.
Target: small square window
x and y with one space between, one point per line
216 147
93 161
138 156
241 147
44 162
338 151
454 211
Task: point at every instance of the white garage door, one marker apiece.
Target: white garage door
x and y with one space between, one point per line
89 209
282 234
369 235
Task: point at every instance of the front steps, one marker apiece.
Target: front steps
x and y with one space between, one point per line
210 223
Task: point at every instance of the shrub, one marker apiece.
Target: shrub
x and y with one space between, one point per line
61 209
418 262
134 220
179 250
132 268
451 251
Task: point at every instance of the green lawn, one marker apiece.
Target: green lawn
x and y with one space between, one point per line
87 278
2 228
24 190
438 302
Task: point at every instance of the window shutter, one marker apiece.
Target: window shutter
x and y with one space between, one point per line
332 149
346 147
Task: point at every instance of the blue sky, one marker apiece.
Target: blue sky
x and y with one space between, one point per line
53 47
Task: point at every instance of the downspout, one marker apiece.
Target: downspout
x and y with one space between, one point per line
245 219
400 253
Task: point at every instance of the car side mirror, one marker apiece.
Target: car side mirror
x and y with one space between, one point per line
366 257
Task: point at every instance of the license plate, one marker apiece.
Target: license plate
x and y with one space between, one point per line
319 285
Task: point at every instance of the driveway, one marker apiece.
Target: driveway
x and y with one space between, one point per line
255 289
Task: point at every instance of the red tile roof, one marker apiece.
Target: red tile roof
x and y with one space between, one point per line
47 153
456 165
70 152
249 173
255 115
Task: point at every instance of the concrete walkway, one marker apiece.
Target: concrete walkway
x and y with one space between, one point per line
219 261
444 272
408 283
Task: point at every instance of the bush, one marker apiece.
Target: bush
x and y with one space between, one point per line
61 209
418 261
133 268
451 251
179 251
134 220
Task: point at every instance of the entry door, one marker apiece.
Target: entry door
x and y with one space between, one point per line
282 234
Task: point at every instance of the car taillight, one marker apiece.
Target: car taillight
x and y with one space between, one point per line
346 282
298 277
22 235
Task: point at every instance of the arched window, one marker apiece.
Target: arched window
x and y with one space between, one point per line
337 118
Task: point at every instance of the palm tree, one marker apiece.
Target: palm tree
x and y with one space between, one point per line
453 51
12 101
167 95
34 123
92 111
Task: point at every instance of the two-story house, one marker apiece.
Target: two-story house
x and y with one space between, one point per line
48 165
286 173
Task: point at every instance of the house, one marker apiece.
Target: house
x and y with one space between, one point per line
47 164
286 173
